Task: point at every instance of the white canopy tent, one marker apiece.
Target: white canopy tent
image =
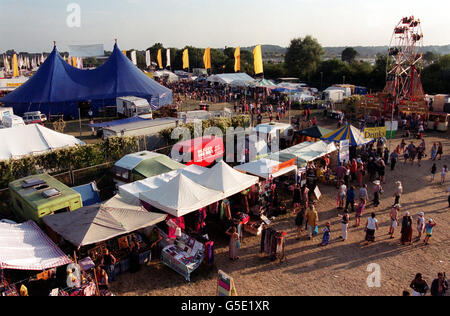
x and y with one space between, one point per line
263 168
180 196
26 247
32 139
241 78
225 179
131 191
166 74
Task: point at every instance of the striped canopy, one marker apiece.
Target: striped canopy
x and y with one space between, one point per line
355 137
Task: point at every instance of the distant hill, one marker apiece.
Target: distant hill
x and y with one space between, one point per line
364 51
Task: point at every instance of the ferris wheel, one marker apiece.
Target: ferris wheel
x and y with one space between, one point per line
404 63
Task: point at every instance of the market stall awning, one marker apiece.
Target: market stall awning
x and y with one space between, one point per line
304 152
225 179
26 247
265 168
347 132
180 196
97 223
132 190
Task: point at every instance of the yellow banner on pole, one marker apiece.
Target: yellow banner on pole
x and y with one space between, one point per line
257 56
207 58
15 66
375 132
237 59
185 59
159 57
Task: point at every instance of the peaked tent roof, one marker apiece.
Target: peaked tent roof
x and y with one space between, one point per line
355 137
58 82
32 139
314 131
181 196
225 179
26 247
263 168
97 223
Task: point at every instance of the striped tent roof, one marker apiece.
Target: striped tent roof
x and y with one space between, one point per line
355 137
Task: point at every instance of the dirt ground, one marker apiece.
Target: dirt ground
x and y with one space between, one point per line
340 268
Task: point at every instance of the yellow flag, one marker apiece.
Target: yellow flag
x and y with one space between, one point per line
257 56
74 62
185 59
160 59
207 58
15 67
124 52
237 59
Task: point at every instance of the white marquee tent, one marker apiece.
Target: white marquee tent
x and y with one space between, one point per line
181 196
32 139
241 77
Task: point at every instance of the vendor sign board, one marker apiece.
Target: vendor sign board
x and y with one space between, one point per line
344 151
375 132
283 165
225 285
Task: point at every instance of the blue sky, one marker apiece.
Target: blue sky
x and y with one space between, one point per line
32 25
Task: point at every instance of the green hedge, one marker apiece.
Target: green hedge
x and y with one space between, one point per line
221 122
68 159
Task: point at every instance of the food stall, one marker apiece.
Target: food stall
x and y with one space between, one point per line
438 121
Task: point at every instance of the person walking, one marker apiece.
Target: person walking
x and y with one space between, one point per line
394 219
433 172
394 158
312 221
433 152
419 285
439 286
345 221
359 212
398 192
440 151
342 192
406 231
363 194
109 262
326 234
371 227
420 225
443 174
429 230
234 244
350 199
376 192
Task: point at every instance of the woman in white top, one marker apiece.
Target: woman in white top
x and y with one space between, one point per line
420 225
443 174
371 227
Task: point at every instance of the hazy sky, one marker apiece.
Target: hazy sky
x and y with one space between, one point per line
32 25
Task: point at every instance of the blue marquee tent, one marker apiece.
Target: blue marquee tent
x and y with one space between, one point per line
57 87
354 136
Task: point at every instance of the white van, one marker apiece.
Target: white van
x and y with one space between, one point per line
12 121
132 106
35 117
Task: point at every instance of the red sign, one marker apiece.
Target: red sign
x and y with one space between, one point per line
283 165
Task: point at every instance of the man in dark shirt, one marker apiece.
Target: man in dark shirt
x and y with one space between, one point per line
439 286
350 198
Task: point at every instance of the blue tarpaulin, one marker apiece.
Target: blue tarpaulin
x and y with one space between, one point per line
89 193
57 87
